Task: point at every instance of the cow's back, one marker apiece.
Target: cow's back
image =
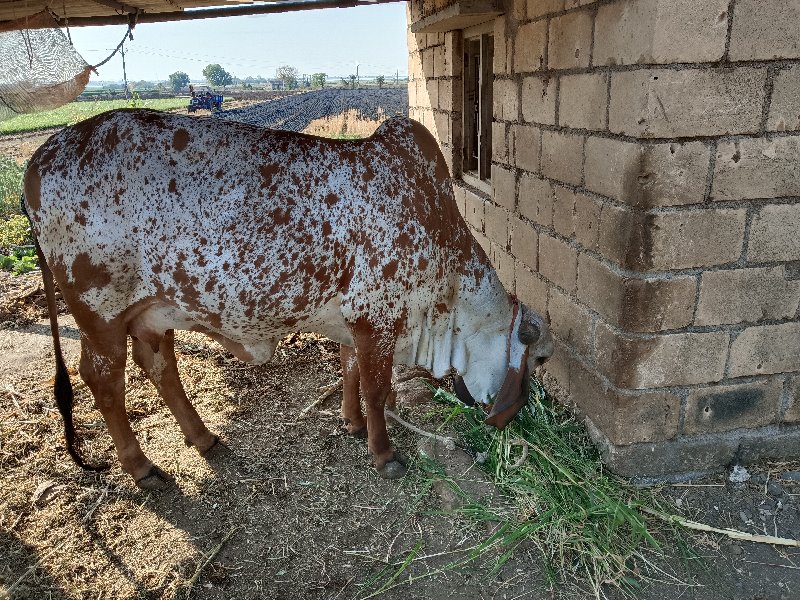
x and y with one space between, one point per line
241 225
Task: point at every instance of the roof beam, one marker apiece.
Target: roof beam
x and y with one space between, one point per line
119 6
280 6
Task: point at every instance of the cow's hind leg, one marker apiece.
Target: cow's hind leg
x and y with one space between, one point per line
162 369
375 368
351 399
102 367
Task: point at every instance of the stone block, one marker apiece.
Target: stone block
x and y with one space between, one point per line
501 64
766 349
500 142
757 168
647 175
527 141
460 194
539 99
571 323
445 94
564 211
652 305
583 100
774 234
531 289
504 186
520 10
747 295
784 109
530 45
640 362
727 407
562 156
536 199
587 221
792 413
632 304
538 8
624 417
765 30
474 210
440 67
570 40
524 243
441 122
504 265
662 103
695 238
556 372
558 262
625 236
432 92
506 100
427 62
660 31
496 224
454 56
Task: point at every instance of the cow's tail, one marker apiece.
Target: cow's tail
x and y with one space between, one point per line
62 389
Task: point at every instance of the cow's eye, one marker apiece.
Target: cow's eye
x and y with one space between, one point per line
528 332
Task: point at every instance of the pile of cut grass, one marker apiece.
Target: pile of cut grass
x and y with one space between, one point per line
594 531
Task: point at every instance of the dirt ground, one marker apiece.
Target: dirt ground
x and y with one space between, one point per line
294 511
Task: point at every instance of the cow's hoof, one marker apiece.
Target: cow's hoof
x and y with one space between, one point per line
155 480
355 431
394 469
217 450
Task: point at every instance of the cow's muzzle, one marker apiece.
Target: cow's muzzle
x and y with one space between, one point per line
513 395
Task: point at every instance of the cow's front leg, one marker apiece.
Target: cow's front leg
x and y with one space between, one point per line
102 367
351 400
375 369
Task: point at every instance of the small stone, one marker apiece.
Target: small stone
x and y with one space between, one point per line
758 479
775 489
735 549
791 475
738 474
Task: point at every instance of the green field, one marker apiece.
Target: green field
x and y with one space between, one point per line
78 111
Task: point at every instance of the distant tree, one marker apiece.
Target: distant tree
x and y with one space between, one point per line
178 80
318 80
379 80
352 79
216 75
288 75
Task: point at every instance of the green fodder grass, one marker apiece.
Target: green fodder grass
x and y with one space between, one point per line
591 528
10 187
75 112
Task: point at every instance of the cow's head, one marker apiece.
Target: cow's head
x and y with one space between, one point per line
527 344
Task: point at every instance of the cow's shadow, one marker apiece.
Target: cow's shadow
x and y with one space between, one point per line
22 571
254 496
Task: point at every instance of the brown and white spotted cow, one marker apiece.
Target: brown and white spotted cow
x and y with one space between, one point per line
153 222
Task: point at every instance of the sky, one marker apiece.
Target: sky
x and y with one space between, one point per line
329 41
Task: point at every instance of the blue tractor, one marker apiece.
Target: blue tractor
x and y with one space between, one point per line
205 99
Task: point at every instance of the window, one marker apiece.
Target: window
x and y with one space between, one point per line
477 139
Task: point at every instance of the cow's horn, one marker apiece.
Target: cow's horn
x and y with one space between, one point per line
529 331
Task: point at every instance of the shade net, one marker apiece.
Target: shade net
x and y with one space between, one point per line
40 68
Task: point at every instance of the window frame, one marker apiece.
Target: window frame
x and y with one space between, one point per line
477 97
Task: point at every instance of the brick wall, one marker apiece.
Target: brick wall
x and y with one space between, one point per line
645 183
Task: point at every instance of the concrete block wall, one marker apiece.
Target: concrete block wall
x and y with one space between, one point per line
645 184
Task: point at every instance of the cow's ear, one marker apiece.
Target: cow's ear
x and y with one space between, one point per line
529 330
